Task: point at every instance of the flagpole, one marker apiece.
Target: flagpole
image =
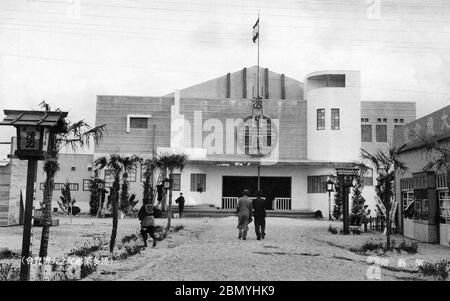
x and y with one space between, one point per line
257 70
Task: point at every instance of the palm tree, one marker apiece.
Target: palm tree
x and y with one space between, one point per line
149 165
128 165
118 165
387 165
113 163
171 162
66 133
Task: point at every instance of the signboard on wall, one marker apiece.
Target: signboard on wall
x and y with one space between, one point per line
435 125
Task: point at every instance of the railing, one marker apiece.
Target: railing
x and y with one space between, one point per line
229 202
278 203
282 204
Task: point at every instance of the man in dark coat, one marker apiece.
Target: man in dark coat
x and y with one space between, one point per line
259 213
180 202
147 217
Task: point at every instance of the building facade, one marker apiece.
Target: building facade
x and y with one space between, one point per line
424 206
13 174
75 169
306 130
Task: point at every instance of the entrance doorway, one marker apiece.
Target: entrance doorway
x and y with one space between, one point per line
272 188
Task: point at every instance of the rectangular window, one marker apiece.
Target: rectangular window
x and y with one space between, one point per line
406 184
368 177
132 174
138 123
384 119
60 186
317 184
198 182
176 178
407 198
364 119
335 119
444 207
86 184
109 178
320 119
366 133
381 133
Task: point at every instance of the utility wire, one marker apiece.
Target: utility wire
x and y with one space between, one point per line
228 23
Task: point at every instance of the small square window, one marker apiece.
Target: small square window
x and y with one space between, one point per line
138 123
89 168
401 120
378 119
72 168
384 119
396 120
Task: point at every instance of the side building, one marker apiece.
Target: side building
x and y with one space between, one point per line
423 192
75 169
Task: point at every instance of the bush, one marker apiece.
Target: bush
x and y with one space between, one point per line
128 238
9 272
332 230
178 228
439 270
404 246
356 231
370 245
88 247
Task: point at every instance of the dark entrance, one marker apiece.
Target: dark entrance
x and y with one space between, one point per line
271 187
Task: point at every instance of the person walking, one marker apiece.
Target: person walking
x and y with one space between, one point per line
259 213
147 217
244 212
180 202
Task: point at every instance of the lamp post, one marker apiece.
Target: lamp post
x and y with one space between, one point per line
346 179
36 140
168 186
330 188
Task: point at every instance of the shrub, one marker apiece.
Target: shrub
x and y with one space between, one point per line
411 248
128 238
370 245
439 270
178 228
88 247
9 272
356 231
332 230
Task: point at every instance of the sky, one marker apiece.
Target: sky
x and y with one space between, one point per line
67 52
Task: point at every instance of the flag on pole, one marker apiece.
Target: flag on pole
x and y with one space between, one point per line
255 31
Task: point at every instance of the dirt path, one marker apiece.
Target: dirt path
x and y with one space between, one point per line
208 249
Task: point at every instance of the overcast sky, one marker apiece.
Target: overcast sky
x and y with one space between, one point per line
69 51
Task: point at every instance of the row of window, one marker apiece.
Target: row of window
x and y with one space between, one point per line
60 186
380 133
198 181
335 122
396 120
318 184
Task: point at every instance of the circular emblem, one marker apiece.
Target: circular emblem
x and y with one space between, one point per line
257 136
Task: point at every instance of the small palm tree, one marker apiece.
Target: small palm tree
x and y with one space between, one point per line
67 133
387 165
117 165
149 165
170 162
128 165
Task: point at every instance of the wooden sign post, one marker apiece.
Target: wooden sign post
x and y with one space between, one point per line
35 141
